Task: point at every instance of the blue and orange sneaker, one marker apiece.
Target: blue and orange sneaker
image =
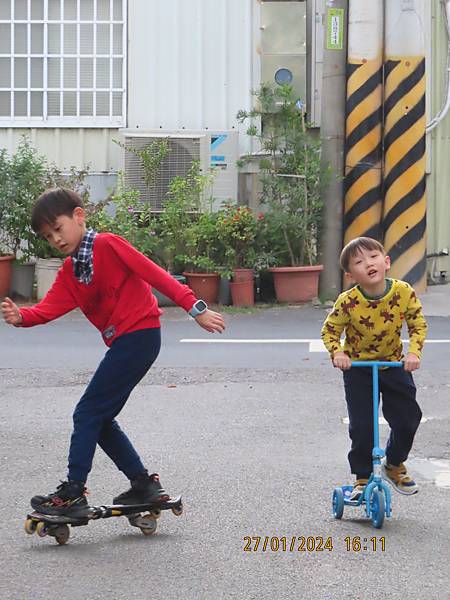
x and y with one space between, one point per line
358 489
398 477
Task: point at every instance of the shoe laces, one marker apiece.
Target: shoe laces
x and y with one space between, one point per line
63 486
399 473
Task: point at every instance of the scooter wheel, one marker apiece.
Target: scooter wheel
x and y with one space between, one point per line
177 510
41 529
62 534
151 525
30 526
377 508
338 503
156 513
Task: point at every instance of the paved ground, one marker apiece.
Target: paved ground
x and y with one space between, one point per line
253 435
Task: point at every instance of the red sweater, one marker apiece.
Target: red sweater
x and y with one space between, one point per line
119 298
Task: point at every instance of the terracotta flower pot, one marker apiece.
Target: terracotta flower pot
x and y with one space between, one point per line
6 263
243 293
296 284
240 275
204 285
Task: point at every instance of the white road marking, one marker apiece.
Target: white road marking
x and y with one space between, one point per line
248 341
433 468
315 345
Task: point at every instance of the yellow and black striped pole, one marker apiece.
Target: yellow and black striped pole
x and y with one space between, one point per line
404 212
362 185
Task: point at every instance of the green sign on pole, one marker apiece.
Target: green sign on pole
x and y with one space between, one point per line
335 29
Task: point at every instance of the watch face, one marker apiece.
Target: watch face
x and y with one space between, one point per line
200 305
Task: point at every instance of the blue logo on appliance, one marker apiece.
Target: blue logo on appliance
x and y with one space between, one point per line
217 159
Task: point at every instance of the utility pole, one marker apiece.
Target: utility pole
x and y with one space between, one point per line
332 133
364 116
405 205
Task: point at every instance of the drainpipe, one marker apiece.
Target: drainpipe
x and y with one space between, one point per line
332 131
446 106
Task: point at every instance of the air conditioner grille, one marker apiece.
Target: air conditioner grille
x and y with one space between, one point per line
182 153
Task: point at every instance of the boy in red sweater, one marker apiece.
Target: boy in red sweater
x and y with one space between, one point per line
110 281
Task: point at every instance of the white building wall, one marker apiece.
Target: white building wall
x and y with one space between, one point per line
192 64
68 147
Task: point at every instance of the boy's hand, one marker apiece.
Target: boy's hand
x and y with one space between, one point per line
411 362
211 321
342 361
10 312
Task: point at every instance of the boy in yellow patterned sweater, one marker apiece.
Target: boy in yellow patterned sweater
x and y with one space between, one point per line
371 314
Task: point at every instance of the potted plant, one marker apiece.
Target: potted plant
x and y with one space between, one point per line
290 197
124 214
23 177
188 234
200 257
236 227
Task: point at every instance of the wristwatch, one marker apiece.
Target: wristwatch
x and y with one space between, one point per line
198 308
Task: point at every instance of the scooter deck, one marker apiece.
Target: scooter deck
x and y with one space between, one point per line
106 512
143 516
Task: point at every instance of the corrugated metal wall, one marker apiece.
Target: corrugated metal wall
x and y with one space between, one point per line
438 185
70 147
191 65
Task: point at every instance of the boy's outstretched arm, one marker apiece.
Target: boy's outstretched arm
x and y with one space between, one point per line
417 330
11 312
211 321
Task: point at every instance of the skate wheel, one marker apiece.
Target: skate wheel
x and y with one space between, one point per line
41 529
155 512
62 534
30 526
150 525
177 510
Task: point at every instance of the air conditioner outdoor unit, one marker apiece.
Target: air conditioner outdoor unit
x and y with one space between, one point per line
183 151
216 150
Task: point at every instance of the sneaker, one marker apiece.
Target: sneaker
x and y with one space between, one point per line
399 479
358 489
145 489
69 499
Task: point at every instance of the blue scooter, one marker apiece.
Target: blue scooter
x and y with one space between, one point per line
377 495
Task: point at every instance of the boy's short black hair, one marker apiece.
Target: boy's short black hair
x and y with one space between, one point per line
355 246
52 204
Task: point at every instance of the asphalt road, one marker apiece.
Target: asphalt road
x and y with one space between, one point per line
253 436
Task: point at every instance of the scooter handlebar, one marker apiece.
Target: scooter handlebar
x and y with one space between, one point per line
376 363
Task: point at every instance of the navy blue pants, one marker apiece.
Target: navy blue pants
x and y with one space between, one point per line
94 420
400 410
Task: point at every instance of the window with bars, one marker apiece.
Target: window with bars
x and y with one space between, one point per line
62 63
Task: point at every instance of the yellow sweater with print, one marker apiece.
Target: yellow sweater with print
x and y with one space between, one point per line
373 327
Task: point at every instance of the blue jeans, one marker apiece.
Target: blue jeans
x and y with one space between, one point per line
94 419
